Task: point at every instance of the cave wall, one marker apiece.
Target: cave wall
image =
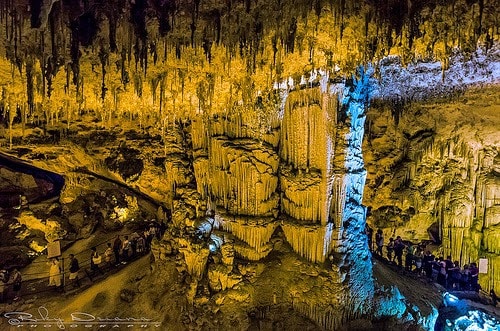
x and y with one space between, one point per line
432 175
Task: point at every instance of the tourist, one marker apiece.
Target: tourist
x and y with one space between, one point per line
441 277
95 261
409 257
417 259
474 274
398 250
148 234
133 244
379 241
390 249
449 269
141 245
108 253
427 263
74 268
117 246
55 273
369 235
465 278
453 280
16 279
494 298
125 250
163 228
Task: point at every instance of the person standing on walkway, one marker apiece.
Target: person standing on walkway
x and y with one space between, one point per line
390 249
117 246
494 298
369 235
379 241
125 250
55 273
474 275
95 261
16 280
108 253
141 244
74 268
398 250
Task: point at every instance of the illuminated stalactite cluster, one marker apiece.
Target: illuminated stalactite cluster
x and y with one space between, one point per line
154 61
438 180
199 74
330 221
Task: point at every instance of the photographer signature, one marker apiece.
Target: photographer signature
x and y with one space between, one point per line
17 318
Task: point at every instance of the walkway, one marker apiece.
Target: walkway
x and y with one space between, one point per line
36 275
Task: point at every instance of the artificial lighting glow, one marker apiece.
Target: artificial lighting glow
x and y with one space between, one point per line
450 299
475 320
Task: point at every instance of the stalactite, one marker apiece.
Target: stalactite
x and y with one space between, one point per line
247 252
243 176
201 168
309 121
308 241
256 232
29 85
301 194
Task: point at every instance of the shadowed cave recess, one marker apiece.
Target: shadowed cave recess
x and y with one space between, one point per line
266 135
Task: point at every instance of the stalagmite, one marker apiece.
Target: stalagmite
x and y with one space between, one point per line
328 317
195 256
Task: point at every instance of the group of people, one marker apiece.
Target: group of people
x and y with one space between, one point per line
417 259
10 284
120 251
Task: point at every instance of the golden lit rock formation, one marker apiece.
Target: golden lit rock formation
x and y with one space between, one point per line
266 134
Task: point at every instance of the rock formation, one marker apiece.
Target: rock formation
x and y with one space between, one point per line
259 130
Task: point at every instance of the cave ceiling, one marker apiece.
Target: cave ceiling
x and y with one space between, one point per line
174 56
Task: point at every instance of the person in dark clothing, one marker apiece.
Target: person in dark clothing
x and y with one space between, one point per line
465 278
133 245
454 277
494 298
379 241
390 249
117 246
427 263
474 274
409 257
74 268
16 280
369 235
441 276
449 268
398 250
163 228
